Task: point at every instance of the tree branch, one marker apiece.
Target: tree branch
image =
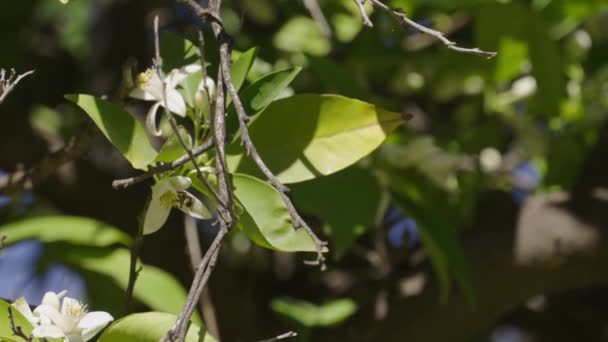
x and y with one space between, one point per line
401 17
284 336
312 6
8 84
17 331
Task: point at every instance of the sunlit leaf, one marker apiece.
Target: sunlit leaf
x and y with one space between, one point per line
312 315
121 129
172 148
71 229
6 333
149 327
241 67
155 288
301 34
266 219
306 136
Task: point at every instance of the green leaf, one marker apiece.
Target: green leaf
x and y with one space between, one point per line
301 34
261 93
266 219
318 135
154 287
173 149
149 327
241 67
346 201
312 315
6 334
71 229
121 129
176 51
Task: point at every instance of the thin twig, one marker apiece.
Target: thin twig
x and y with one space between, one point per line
133 269
195 252
2 240
197 151
8 84
201 276
17 331
158 65
366 21
317 15
405 21
286 335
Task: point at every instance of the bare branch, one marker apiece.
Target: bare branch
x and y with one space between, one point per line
400 16
317 15
197 151
286 335
2 239
194 251
366 21
8 84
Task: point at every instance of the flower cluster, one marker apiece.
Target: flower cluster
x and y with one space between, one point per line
61 317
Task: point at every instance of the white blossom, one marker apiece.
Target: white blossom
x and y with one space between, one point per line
149 87
61 317
171 193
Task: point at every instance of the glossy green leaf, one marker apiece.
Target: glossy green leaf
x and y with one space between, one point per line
172 148
306 136
312 315
176 51
266 219
155 288
121 129
149 327
71 229
6 334
261 93
240 67
346 202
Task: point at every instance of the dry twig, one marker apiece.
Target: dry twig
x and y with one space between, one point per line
8 82
407 22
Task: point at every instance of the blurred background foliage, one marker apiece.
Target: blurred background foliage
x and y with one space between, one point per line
520 124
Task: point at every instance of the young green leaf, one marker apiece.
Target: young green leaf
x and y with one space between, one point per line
173 149
121 129
266 219
306 136
312 315
149 327
176 51
71 229
260 94
240 67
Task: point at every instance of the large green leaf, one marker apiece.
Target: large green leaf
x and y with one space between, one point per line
266 219
71 229
123 131
6 334
306 136
346 201
149 327
155 288
240 67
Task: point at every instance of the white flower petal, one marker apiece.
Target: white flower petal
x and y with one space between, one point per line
176 76
24 308
156 216
62 322
141 94
180 183
93 322
75 338
151 120
53 299
176 103
47 331
195 208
